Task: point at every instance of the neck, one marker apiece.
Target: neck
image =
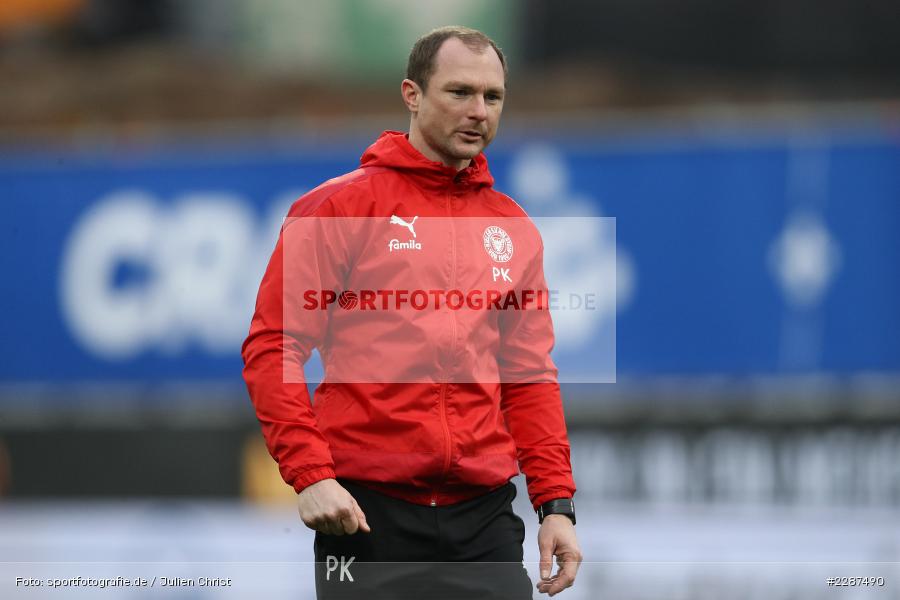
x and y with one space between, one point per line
418 142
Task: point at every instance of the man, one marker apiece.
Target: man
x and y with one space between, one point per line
433 390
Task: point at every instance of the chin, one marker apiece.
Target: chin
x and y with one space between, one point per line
467 151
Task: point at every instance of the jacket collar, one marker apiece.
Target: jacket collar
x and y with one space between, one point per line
393 150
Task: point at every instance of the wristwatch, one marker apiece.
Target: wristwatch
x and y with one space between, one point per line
560 506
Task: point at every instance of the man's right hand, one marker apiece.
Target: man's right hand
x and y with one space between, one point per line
329 508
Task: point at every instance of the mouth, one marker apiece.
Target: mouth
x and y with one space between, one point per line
470 135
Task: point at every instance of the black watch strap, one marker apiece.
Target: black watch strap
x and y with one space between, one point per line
560 506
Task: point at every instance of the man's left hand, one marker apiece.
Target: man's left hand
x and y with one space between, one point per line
556 537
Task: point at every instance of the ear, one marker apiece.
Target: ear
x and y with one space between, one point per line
411 93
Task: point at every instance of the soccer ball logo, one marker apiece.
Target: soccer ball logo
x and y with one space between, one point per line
348 300
498 244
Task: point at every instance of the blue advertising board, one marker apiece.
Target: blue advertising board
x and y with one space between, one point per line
735 253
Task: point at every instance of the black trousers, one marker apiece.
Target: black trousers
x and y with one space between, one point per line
470 550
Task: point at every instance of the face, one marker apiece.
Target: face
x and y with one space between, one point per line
458 115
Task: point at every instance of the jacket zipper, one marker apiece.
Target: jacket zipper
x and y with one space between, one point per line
448 448
443 399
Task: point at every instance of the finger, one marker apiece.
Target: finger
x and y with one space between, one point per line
565 576
544 585
569 568
319 525
342 521
562 581
546 563
348 523
550 587
361 518
329 527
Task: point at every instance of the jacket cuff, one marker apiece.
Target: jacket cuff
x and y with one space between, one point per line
307 478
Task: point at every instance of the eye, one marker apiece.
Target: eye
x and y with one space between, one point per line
493 97
459 93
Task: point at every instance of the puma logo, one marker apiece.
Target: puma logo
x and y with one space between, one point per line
395 220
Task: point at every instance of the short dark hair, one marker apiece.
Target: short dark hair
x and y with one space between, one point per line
420 66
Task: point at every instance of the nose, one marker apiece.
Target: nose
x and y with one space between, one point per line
478 107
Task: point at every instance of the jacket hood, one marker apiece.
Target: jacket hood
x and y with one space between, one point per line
392 150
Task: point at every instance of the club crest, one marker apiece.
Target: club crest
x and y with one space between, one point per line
498 244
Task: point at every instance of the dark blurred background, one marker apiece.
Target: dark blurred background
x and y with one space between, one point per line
749 153
71 64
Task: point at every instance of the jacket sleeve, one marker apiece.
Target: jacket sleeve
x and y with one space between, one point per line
530 396
282 336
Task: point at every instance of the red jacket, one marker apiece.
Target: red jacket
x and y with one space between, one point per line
438 377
